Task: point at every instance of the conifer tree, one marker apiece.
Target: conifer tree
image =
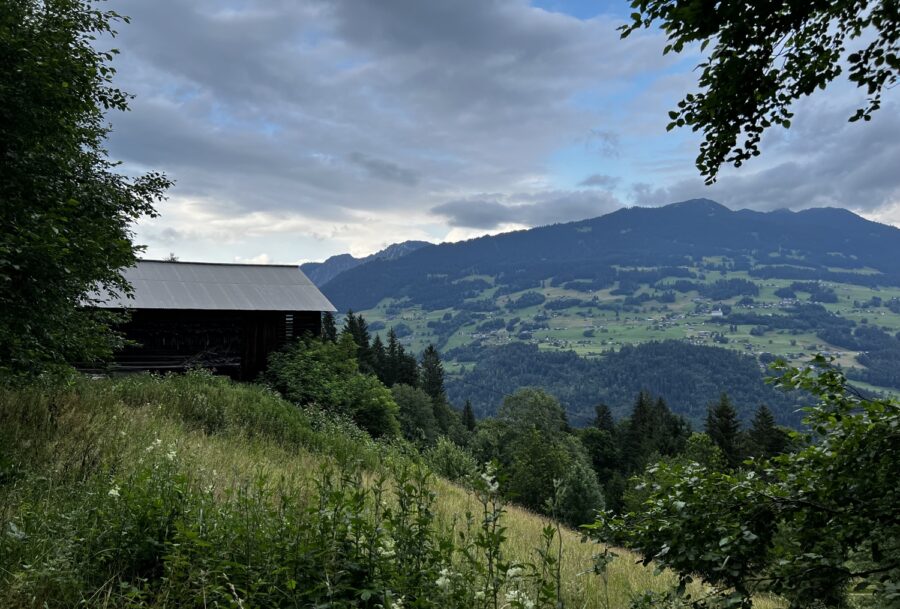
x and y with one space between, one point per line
468 416
329 328
604 418
358 329
723 427
433 374
407 369
765 438
379 360
432 382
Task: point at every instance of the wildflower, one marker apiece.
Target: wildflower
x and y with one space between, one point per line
517 597
114 491
171 454
514 572
386 549
490 481
444 580
154 445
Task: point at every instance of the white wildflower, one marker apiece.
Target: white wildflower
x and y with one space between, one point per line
444 580
514 572
154 445
386 549
490 481
520 598
114 491
171 454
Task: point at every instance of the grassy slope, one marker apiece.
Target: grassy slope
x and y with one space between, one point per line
226 438
632 328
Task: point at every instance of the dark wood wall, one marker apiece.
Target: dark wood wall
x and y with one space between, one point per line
236 343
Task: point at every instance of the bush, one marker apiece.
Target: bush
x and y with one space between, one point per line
311 372
451 461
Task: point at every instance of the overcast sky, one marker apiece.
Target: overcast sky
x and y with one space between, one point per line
299 129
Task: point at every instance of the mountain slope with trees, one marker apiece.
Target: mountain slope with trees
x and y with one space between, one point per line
808 243
688 377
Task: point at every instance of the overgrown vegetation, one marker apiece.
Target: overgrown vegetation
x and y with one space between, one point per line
816 525
193 491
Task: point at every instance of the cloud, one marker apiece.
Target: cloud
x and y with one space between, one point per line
822 161
384 170
306 128
525 210
600 180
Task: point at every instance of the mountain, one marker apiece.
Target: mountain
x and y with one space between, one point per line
824 243
321 273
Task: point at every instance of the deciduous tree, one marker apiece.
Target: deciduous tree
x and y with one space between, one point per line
764 56
67 214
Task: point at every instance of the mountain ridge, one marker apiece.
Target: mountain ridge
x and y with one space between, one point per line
635 236
321 273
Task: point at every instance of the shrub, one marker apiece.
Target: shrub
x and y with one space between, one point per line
451 461
311 372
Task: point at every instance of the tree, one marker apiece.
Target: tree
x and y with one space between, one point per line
417 420
468 417
432 383
433 374
764 57
724 429
379 360
329 328
604 419
765 439
66 213
357 328
812 526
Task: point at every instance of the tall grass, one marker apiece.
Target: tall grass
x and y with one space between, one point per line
192 491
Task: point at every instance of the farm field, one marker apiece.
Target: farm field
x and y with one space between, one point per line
601 321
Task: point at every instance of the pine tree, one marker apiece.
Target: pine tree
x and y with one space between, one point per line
765 438
639 433
723 427
433 374
358 329
468 416
604 418
379 360
329 329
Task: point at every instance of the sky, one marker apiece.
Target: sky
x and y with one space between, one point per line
299 129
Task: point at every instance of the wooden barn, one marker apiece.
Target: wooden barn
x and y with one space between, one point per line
227 317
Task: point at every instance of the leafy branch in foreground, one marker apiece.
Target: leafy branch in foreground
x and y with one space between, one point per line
67 213
767 55
811 526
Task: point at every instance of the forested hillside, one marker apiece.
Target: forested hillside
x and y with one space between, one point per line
818 244
688 377
765 285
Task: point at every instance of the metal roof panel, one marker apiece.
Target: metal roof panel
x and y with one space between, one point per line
210 286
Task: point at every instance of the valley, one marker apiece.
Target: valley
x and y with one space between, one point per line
762 285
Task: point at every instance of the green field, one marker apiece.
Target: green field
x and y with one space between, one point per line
689 318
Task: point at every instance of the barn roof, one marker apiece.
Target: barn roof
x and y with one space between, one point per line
211 286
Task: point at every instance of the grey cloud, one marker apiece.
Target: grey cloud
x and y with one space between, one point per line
601 180
384 170
602 142
270 105
527 209
822 161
